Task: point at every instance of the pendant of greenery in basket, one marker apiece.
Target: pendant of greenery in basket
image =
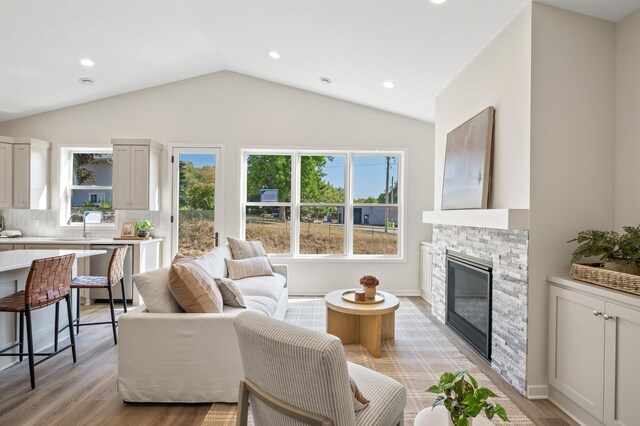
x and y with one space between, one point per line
617 252
144 228
464 399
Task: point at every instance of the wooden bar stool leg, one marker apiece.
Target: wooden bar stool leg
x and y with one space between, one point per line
21 335
55 328
71 336
78 312
113 315
32 373
124 296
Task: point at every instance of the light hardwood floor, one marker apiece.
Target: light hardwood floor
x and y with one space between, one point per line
85 393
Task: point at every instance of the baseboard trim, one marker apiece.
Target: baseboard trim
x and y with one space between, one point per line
538 392
318 293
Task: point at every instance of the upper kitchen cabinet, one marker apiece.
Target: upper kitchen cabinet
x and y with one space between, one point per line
30 173
136 174
6 171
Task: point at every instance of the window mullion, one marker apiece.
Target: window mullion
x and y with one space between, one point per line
348 211
295 200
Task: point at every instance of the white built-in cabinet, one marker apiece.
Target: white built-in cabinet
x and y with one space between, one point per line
426 270
6 169
25 166
594 349
136 174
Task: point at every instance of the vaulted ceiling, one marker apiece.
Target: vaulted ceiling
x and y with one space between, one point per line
358 44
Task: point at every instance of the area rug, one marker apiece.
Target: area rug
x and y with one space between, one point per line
417 357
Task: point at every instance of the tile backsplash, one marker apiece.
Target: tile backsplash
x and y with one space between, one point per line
46 223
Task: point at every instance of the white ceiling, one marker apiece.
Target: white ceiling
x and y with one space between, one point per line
144 43
611 10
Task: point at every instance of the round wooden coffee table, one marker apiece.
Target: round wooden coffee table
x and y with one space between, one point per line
359 323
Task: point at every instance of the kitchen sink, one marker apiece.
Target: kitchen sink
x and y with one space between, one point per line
77 239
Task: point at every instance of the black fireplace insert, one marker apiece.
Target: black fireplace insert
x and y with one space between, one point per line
469 300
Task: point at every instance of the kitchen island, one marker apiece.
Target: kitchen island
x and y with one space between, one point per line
143 256
14 269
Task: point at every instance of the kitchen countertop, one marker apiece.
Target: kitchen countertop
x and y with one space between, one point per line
11 260
73 241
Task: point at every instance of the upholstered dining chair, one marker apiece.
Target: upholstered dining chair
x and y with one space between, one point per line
295 376
115 275
48 282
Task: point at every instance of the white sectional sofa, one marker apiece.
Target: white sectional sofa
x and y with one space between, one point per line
187 357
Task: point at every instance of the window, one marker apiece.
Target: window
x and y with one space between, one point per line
330 204
87 185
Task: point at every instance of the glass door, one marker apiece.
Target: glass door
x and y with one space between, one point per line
195 221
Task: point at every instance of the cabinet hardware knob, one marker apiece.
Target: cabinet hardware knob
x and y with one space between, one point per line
596 313
607 317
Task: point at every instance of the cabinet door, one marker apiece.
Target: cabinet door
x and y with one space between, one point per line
6 175
121 177
139 177
622 373
426 267
21 169
576 348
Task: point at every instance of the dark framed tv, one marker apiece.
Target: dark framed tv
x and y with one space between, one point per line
467 163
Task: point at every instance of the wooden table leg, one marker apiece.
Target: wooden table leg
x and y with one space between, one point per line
371 334
389 326
344 326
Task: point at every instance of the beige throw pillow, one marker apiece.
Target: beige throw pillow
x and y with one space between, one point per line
193 288
245 268
241 249
231 294
359 401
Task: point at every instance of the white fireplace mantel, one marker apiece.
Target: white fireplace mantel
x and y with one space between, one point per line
510 219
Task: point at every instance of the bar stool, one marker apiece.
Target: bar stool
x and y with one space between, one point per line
115 274
48 282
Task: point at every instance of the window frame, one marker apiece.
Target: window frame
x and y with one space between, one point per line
66 185
295 204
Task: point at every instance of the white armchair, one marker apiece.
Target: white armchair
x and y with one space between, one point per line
295 376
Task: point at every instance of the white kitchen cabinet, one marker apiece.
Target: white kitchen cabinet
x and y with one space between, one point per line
136 174
593 349
6 172
31 160
426 270
24 173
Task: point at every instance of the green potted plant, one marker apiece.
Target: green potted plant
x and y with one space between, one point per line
144 228
465 399
616 252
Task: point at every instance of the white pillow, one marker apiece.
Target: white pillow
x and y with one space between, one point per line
154 289
213 261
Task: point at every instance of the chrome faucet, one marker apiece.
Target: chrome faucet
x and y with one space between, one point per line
85 234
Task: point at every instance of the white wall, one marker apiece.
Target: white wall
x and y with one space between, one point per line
627 148
572 164
500 76
238 111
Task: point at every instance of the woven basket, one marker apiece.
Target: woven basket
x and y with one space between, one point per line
594 273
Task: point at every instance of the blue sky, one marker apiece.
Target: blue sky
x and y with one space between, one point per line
369 172
199 160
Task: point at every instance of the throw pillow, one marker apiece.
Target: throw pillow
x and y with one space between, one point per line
231 294
241 249
359 401
153 286
252 267
193 287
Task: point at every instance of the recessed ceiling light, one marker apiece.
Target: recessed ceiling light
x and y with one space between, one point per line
325 80
438 1
388 84
86 81
86 62
274 54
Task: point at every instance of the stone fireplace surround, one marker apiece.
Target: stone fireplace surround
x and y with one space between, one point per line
508 251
